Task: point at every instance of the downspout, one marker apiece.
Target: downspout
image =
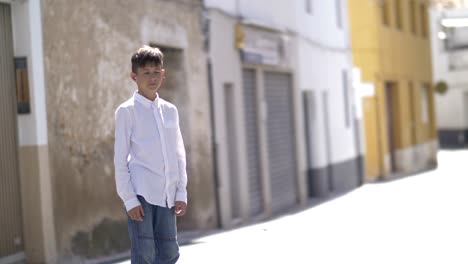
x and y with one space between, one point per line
214 146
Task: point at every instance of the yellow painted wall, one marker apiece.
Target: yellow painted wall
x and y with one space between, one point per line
364 41
373 161
388 54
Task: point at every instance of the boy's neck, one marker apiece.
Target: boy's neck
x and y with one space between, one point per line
150 96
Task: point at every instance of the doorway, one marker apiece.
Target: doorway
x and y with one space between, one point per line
391 107
11 229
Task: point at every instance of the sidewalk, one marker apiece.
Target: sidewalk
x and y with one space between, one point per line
418 219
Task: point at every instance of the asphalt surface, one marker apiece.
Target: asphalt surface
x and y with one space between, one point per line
417 219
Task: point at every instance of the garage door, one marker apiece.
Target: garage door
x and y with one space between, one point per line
10 204
281 150
253 148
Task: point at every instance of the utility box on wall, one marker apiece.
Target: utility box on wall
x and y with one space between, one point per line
22 85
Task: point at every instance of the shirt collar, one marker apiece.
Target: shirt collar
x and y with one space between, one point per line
145 101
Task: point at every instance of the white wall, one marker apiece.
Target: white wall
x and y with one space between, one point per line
320 26
27 42
450 107
228 6
324 53
226 68
322 71
277 14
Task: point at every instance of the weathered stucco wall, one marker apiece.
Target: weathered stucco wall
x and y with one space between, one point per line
87 49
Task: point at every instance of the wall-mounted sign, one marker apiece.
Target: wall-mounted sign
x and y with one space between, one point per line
22 85
441 87
367 89
261 46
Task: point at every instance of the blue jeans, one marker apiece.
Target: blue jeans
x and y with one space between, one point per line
154 241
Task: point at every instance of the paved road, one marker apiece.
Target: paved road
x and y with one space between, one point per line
419 219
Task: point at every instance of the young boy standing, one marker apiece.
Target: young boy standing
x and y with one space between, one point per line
150 166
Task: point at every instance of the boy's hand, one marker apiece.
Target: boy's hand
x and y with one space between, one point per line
180 208
136 213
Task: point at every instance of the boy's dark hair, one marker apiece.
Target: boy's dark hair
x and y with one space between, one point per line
146 55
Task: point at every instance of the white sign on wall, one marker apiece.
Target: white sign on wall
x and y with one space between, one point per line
362 89
263 46
367 90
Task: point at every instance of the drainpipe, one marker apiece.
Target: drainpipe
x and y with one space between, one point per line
214 146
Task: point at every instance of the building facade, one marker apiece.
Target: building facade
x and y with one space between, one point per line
27 218
333 124
391 46
449 3
70 65
257 109
285 128
450 57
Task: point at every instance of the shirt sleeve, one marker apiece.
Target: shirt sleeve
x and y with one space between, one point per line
181 192
121 151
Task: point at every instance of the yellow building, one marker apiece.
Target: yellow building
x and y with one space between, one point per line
391 46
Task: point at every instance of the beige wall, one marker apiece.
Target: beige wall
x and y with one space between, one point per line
87 49
38 223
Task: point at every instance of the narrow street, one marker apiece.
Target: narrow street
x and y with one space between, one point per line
417 219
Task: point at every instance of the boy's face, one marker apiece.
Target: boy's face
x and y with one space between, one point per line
148 78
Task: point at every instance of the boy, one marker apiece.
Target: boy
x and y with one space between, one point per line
149 161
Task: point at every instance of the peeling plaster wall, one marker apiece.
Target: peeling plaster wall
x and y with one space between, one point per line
87 49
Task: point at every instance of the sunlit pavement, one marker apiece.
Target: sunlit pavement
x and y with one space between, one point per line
417 219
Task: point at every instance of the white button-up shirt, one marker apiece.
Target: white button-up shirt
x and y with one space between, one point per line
149 153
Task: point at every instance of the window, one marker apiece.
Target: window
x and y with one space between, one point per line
339 22
308 6
309 105
423 17
309 115
457 38
385 17
456 45
344 77
412 13
398 15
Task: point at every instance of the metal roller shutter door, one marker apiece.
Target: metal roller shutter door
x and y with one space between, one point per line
253 148
281 150
10 203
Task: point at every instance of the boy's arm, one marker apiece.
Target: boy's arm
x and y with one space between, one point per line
181 192
121 150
